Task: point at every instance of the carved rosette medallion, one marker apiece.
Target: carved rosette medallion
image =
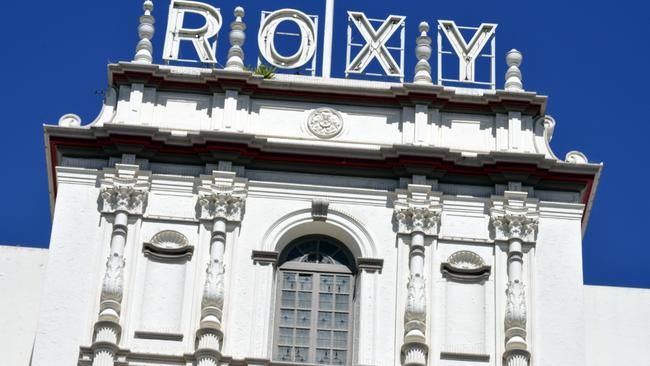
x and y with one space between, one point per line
325 123
515 306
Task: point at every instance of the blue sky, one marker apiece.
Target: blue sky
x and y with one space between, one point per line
588 57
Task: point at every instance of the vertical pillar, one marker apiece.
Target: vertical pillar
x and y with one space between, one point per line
417 211
515 221
221 200
123 195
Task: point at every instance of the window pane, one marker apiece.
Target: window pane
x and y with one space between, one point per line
325 301
339 357
285 353
288 299
304 318
326 283
343 284
323 356
324 320
304 300
340 339
324 338
287 317
289 281
286 336
342 302
301 354
305 282
341 321
302 337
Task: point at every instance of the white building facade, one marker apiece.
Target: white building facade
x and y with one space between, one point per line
213 216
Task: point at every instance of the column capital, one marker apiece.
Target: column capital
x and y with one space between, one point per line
514 216
125 189
222 195
418 209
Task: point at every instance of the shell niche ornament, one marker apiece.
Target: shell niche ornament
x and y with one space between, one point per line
325 123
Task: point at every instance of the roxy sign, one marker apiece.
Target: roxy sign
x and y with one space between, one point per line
380 40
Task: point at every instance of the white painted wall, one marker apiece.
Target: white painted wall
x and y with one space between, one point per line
617 326
22 273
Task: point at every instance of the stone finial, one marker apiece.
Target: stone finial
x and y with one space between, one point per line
423 53
144 49
237 39
513 75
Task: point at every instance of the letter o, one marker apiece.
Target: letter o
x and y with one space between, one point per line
266 39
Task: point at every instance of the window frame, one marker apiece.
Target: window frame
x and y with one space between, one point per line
316 270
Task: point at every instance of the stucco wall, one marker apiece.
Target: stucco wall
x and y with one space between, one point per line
22 273
618 326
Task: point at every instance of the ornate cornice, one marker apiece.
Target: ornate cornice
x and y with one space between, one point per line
515 217
222 195
125 190
417 209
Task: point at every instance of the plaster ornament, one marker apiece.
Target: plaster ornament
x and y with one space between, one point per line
223 205
418 219
513 75
576 157
515 226
415 354
515 306
416 300
169 239
465 259
237 39
467 52
319 209
266 38
325 123
423 53
200 37
213 290
144 49
112 285
375 47
126 195
70 120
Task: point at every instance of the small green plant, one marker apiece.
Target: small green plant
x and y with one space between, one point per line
266 71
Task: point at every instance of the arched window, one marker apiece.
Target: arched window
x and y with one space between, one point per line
315 302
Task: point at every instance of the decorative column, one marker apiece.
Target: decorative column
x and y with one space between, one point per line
237 39
221 201
423 53
123 195
515 221
417 212
144 49
513 75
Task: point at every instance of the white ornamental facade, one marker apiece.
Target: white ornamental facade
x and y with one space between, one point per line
213 216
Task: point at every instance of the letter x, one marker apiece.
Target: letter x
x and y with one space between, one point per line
375 46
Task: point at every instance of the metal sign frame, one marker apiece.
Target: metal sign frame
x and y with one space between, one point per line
485 27
400 22
314 58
